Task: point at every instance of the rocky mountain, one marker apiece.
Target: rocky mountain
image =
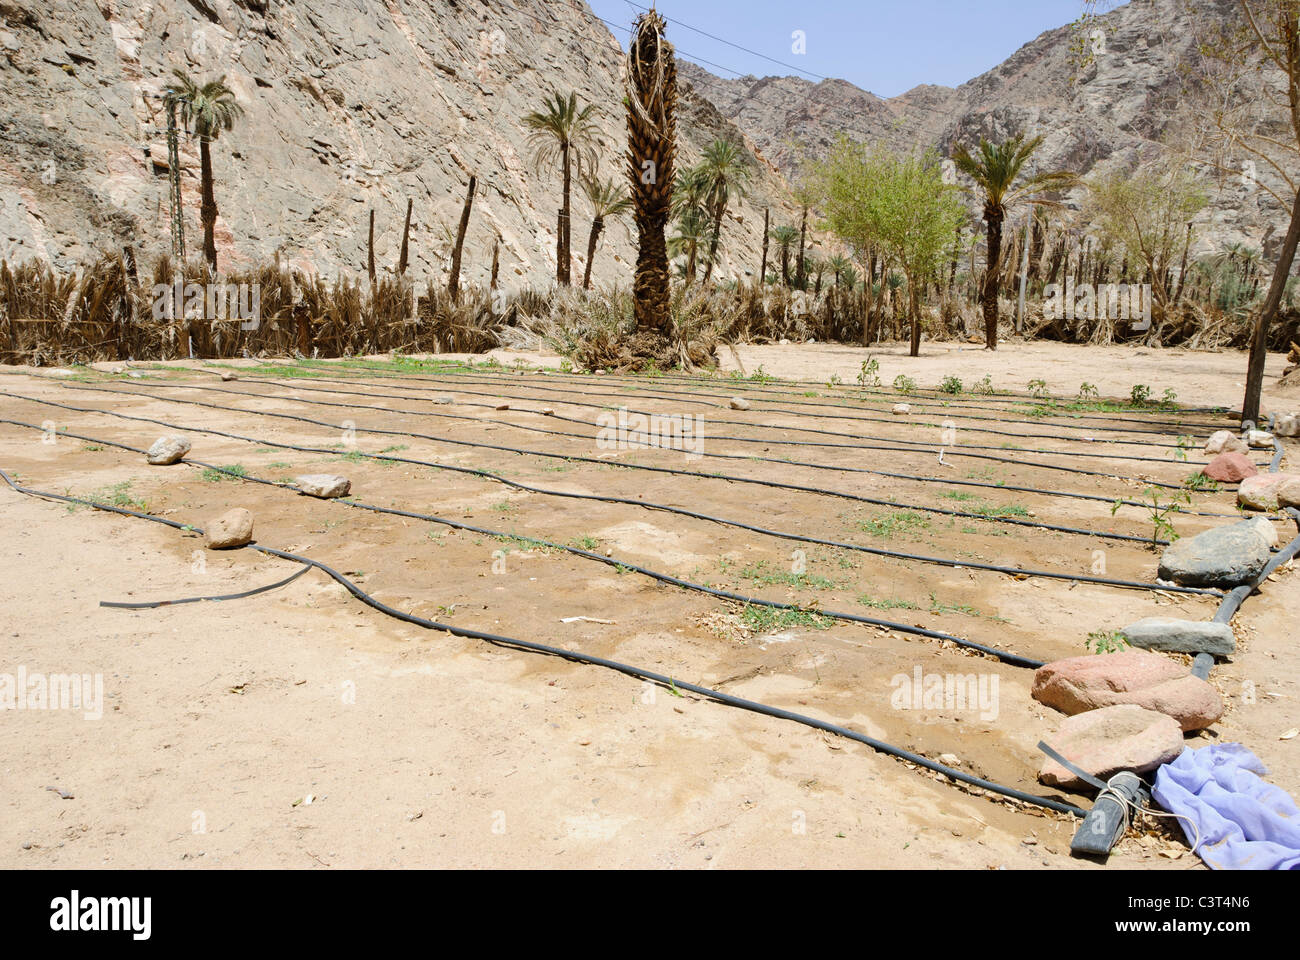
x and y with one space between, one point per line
348 105
1094 119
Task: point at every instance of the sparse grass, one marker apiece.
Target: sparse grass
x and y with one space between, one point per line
887 603
894 523
234 471
762 619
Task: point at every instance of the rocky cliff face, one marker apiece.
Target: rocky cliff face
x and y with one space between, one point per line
348 105
1093 120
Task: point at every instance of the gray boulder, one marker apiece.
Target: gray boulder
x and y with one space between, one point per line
1226 555
1182 636
166 450
327 486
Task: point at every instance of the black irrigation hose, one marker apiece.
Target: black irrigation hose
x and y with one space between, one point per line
1013 659
577 656
228 596
680 511
645 445
506 376
922 447
720 456
772 484
819 416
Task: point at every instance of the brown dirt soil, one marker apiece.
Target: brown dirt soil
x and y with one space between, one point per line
419 748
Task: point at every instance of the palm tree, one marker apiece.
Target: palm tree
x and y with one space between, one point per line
650 86
996 172
562 132
690 195
206 110
786 238
726 174
839 266
607 200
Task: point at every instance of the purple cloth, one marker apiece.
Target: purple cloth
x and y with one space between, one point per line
1245 823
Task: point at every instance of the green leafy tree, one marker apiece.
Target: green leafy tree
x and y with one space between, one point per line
786 238
726 174
608 200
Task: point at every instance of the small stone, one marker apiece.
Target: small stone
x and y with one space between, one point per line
1225 441
229 375
1259 438
1150 680
901 409
1104 742
950 759
1287 425
167 450
1231 554
327 486
548 412
739 403
1181 636
1230 468
232 529
502 406
444 399
1261 492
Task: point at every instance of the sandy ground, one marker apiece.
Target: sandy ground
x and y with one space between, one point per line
417 748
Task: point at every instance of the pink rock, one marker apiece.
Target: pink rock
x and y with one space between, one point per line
1106 741
1261 492
1230 468
1140 677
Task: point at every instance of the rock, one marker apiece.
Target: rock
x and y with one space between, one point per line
548 412
1259 438
1225 441
1181 636
327 486
1149 680
738 403
229 375
1230 468
1226 555
901 409
502 406
232 529
1261 492
1106 741
166 450
1287 425
950 759
444 399
1264 526
1288 495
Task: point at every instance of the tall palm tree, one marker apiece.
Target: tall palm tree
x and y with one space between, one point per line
690 208
996 172
205 110
650 86
607 200
563 133
786 238
726 173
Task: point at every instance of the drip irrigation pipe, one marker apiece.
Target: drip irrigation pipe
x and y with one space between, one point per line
677 395
1013 659
771 484
815 416
796 537
720 456
923 446
577 656
228 596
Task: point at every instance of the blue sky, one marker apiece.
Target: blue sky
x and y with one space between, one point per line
884 46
